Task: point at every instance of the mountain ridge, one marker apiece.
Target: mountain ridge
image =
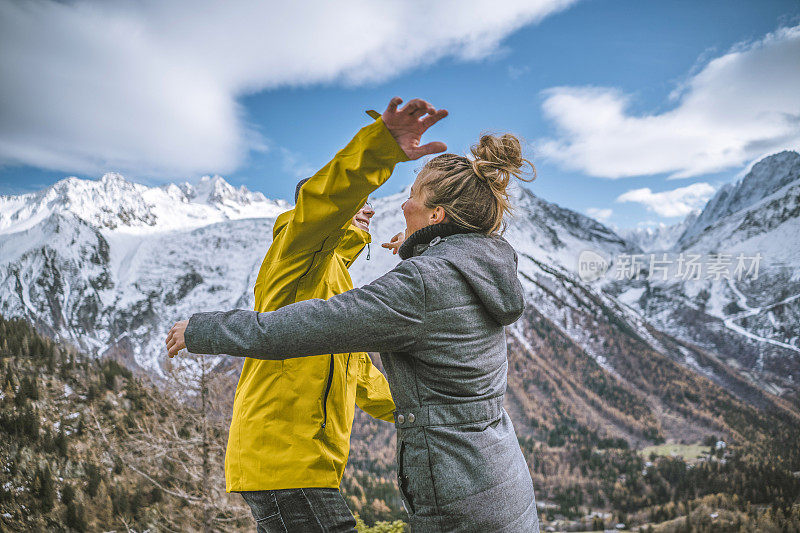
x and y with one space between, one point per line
767 176
110 272
115 203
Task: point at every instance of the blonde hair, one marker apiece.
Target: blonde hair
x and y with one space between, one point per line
472 191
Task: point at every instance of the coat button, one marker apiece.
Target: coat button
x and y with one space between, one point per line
411 418
401 419
436 240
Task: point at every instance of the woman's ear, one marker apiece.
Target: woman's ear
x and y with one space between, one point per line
438 215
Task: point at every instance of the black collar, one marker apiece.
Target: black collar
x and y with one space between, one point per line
426 234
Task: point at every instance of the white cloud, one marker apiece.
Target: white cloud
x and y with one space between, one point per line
151 86
675 203
599 213
738 107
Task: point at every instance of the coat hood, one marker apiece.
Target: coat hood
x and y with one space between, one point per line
487 262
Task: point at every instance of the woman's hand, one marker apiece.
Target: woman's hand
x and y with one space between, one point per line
175 339
407 126
395 243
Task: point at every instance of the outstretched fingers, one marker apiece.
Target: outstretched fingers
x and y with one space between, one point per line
393 103
413 105
175 347
175 338
435 147
433 117
408 123
423 109
171 347
395 243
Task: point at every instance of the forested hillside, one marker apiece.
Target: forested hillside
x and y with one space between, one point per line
88 446
91 447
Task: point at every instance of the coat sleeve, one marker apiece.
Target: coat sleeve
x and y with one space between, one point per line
387 315
372 392
334 194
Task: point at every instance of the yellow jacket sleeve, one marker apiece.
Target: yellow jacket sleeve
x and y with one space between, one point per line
336 192
372 392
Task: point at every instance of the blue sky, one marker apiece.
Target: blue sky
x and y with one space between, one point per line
612 97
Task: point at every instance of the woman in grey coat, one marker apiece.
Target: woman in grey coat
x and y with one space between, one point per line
438 321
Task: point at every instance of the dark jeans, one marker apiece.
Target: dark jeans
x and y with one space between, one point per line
300 510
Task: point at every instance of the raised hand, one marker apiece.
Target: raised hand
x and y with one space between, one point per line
395 243
175 339
409 123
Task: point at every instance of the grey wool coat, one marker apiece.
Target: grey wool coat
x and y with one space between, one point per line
437 319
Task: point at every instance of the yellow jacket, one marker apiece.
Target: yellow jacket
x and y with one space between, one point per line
292 419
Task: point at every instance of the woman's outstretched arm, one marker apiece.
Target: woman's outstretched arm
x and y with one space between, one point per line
386 315
332 196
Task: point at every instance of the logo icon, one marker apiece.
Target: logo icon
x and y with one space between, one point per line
591 265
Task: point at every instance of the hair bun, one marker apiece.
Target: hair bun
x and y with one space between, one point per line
497 158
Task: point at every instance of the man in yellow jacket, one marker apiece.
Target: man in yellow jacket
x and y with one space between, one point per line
290 434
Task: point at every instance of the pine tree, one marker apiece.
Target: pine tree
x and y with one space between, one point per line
60 441
76 517
93 479
44 488
67 494
28 423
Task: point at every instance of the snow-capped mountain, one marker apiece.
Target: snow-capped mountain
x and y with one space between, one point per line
114 203
745 303
102 263
658 238
111 264
766 178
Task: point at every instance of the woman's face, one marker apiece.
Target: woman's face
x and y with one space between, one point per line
416 213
